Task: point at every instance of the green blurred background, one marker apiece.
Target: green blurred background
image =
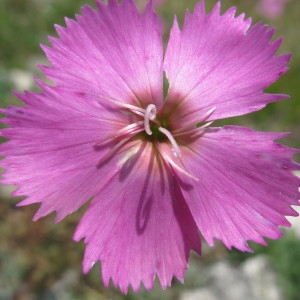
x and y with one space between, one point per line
39 260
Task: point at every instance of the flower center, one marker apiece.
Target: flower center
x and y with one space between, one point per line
150 115
156 133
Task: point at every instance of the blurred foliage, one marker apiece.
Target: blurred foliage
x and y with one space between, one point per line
284 255
39 260
26 24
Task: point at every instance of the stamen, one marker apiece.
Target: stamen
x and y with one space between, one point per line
190 128
130 129
173 164
135 109
169 135
113 150
150 114
196 130
205 116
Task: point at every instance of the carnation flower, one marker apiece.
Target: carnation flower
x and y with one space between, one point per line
272 8
156 169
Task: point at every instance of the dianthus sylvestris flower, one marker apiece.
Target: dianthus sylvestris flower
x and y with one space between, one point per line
272 8
156 170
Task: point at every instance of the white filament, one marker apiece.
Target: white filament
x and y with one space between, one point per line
173 164
127 130
192 127
193 130
150 114
169 135
135 109
206 115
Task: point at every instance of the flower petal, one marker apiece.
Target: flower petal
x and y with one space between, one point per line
113 52
217 61
52 139
139 225
246 186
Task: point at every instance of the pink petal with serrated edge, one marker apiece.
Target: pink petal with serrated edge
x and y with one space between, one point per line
114 52
246 185
139 226
153 181
217 61
53 139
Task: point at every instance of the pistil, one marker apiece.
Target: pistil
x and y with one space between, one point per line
150 115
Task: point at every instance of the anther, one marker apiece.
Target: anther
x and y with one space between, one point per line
150 115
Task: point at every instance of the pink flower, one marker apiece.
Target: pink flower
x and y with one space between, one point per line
156 171
272 8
